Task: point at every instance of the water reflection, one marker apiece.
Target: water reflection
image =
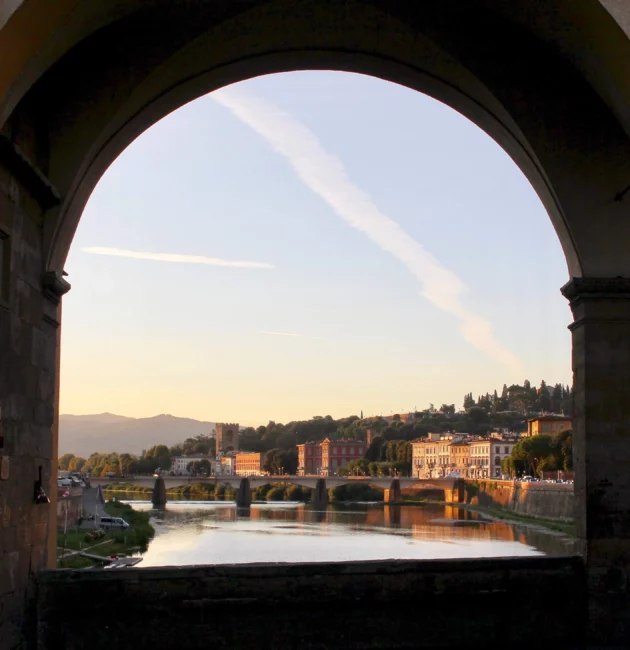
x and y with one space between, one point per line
218 532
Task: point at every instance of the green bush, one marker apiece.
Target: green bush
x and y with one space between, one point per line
354 492
276 493
294 493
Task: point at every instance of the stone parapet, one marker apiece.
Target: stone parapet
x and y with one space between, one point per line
392 604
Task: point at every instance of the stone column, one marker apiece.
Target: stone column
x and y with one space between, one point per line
320 495
392 494
601 448
158 498
244 494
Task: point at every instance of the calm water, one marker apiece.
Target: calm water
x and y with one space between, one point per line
189 532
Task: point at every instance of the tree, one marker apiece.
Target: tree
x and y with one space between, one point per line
160 456
373 452
199 467
448 409
531 452
544 398
64 461
469 402
76 464
281 461
556 399
563 450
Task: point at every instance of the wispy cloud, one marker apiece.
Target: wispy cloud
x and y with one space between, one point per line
325 175
291 334
176 258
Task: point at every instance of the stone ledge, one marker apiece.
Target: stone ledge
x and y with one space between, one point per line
383 605
310 569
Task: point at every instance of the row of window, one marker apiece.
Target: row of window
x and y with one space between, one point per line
336 450
475 451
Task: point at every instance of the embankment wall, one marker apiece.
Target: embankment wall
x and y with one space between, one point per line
545 500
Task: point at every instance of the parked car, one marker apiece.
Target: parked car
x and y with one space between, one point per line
113 522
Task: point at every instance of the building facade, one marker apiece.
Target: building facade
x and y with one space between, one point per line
467 457
500 448
480 466
326 458
227 437
226 464
460 457
309 458
249 463
547 425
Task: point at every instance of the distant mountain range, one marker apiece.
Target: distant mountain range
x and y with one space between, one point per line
82 435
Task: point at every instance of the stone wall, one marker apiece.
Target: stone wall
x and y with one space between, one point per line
28 349
545 500
499 603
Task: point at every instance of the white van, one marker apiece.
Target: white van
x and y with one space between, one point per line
113 522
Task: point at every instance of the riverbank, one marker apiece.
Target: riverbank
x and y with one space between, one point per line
105 543
549 501
509 516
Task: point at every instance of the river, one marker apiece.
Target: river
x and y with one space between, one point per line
215 532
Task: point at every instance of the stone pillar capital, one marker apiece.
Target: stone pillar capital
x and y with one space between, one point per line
596 288
598 299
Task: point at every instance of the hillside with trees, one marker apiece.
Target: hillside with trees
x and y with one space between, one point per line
506 409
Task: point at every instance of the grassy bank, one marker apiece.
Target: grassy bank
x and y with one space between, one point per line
109 542
127 487
201 491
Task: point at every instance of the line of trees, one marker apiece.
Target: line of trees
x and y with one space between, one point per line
158 456
525 399
537 454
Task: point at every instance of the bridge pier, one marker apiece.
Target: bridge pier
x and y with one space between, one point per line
392 494
320 495
158 498
457 494
244 494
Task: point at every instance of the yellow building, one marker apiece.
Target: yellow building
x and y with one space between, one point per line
249 463
460 457
547 425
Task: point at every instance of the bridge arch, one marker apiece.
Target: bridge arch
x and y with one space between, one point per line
119 80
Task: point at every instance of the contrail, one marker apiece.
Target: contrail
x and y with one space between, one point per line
325 175
176 258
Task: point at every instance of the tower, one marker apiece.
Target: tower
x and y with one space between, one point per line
227 437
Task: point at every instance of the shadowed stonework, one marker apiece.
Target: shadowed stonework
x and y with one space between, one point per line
429 604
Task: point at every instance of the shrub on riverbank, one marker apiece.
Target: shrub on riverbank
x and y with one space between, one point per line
140 531
197 490
354 492
281 492
127 487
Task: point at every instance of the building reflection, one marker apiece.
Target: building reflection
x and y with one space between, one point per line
431 522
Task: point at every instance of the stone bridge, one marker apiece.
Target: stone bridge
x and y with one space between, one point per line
453 488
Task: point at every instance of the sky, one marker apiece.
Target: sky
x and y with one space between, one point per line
310 243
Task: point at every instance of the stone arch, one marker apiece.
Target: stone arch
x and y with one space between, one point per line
113 85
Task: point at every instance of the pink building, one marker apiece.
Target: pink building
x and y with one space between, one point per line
329 456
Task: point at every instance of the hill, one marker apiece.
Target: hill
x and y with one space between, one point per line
106 432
